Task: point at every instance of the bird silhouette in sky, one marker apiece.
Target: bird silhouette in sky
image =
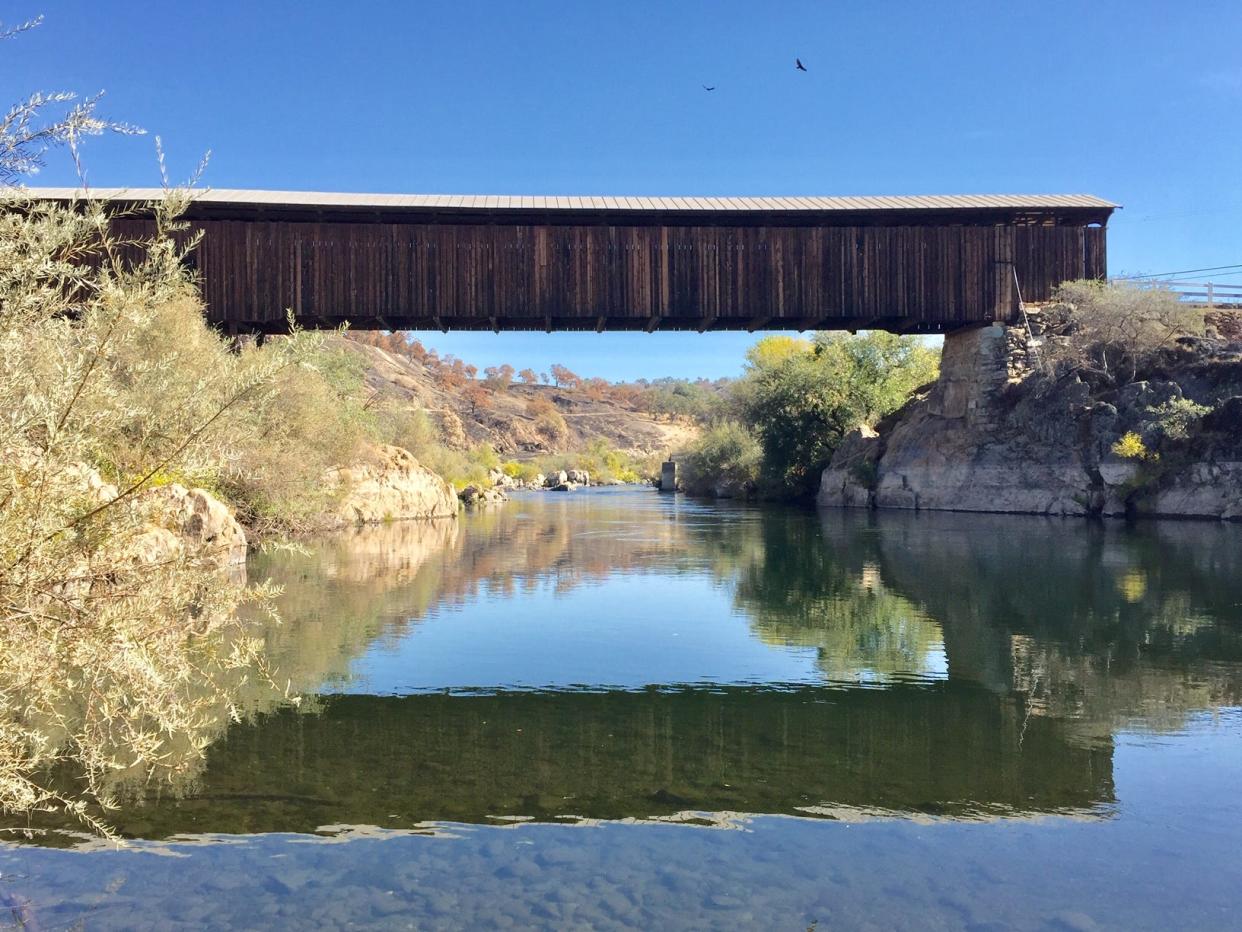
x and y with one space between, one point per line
706 88
798 64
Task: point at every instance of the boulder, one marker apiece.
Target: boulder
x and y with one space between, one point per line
191 521
578 476
565 487
473 495
502 480
154 544
557 478
392 486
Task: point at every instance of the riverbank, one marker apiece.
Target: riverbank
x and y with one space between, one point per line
1064 418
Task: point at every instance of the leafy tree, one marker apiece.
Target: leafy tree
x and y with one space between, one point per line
528 376
801 403
725 455
549 423
776 349
595 388
451 373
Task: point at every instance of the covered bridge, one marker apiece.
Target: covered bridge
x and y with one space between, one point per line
923 264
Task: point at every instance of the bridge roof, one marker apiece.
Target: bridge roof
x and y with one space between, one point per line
339 201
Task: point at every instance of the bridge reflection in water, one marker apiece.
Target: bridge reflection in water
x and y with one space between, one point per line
957 667
396 761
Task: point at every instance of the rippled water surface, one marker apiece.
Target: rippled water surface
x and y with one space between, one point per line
616 709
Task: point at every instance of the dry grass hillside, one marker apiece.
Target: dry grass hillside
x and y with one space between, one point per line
518 420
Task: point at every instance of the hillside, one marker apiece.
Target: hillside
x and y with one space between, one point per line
515 419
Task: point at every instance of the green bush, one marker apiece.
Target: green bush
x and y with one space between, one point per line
526 472
1177 416
725 454
461 468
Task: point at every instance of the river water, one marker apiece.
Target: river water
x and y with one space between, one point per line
617 709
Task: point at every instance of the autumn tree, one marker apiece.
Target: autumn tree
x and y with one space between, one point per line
528 376
451 373
476 396
564 377
499 377
596 388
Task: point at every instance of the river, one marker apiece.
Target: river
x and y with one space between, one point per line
620 709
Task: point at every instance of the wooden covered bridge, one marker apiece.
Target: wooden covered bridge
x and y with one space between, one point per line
925 264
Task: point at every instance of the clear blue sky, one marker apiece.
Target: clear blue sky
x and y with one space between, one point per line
1133 100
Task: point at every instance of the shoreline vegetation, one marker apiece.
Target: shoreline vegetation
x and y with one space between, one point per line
142 452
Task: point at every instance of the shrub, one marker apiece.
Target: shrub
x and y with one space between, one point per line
113 666
603 461
462 468
725 454
526 472
1176 417
1131 447
1109 330
549 423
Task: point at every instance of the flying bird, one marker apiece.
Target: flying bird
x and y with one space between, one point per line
706 88
798 64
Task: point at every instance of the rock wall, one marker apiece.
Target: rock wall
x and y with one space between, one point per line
977 442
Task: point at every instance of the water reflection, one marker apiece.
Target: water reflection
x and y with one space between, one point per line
721 660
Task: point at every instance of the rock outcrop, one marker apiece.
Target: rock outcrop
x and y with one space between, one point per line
392 486
996 434
169 522
190 521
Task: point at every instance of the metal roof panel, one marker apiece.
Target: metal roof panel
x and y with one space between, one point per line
825 204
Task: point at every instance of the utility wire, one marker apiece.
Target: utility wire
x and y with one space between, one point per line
1214 268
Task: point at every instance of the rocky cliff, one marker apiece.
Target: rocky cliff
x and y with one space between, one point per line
1004 430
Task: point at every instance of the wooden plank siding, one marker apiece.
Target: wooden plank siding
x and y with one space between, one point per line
910 273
